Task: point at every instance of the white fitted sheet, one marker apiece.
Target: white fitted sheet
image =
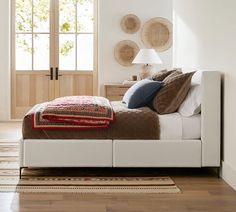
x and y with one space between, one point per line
175 126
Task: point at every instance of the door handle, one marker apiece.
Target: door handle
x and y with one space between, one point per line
57 73
51 73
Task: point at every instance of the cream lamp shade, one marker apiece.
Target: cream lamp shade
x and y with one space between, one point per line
147 57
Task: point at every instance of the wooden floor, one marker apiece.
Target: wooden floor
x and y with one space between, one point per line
201 191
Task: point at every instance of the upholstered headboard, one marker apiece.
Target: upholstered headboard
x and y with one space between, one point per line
211 118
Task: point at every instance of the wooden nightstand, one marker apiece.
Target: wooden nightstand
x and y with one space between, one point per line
115 91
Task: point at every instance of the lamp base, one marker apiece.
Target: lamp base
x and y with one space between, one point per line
146 71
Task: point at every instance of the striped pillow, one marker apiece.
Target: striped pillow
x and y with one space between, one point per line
174 91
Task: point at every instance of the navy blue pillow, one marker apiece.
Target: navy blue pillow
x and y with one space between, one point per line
141 93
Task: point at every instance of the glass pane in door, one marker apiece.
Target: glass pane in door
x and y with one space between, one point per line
32 32
85 52
41 52
23 16
23 52
76 21
67 19
67 52
85 16
41 17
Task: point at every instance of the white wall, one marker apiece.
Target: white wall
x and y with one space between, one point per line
4 60
110 33
205 33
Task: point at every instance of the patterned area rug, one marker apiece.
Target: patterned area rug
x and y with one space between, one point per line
76 180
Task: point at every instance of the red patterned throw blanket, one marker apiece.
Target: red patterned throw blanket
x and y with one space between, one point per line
74 112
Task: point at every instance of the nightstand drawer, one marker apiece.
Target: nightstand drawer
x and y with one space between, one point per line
110 91
115 98
115 92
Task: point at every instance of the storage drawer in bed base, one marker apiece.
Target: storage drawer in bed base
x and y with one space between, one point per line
152 153
66 153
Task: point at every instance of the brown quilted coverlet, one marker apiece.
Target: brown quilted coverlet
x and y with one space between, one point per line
142 123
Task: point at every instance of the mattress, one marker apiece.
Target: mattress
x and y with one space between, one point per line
176 127
142 123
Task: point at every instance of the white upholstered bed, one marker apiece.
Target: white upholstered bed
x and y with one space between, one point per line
172 151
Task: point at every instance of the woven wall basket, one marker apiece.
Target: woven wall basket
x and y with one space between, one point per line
157 33
130 23
125 52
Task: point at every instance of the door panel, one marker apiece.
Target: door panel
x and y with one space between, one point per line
75 84
30 89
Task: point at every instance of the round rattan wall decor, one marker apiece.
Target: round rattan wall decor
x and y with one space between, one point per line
130 23
125 52
157 33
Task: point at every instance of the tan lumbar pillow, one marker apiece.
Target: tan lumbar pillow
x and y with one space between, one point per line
172 75
174 91
161 75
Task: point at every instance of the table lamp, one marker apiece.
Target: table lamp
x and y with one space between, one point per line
147 57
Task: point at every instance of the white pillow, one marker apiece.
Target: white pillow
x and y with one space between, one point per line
192 103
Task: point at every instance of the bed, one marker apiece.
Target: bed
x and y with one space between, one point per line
183 142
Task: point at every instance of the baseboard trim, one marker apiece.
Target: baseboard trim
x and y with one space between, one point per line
229 174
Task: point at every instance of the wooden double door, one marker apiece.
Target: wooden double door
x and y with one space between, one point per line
53 51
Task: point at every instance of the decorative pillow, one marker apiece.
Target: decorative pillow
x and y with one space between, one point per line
161 75
170 97
141 93
172 75
192 103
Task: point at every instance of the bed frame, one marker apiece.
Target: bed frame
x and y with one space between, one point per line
137 153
